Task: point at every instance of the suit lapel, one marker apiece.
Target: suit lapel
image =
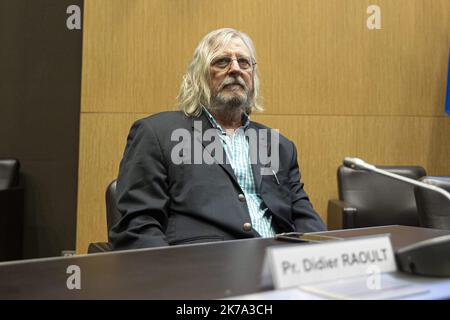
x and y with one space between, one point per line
199 126
259 145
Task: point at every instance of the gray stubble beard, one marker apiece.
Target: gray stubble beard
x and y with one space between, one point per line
230 104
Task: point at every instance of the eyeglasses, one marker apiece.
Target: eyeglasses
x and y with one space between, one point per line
225 62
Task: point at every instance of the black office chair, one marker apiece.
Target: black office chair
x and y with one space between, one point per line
112 217
112 213
9 173
11 210
433 208
368 199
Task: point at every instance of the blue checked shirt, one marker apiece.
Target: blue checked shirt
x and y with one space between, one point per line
237 151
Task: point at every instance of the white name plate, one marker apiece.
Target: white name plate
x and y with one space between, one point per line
331 260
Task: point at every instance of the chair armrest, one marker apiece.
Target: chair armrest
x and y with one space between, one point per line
97 247
340 215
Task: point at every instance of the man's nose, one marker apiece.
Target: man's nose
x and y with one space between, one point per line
234 67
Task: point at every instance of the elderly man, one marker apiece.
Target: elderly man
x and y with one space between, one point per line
217 188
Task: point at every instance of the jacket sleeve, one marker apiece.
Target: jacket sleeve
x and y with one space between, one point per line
142 192
305 217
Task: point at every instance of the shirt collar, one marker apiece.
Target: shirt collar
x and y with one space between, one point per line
245 121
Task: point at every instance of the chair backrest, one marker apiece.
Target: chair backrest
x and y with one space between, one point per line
433 208
380 200
112 213
9 173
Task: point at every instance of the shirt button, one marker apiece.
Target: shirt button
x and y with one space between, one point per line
241 197
247 226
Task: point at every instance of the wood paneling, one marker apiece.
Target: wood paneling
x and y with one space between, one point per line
324 141
315 56
330 84
102 142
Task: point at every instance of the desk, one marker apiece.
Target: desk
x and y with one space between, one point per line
202 271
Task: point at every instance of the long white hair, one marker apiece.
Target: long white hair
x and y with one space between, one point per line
194 90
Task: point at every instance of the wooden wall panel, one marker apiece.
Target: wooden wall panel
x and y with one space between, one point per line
324 141
102 142
315 56
331 85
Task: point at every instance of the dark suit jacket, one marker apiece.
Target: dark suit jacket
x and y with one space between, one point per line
163 203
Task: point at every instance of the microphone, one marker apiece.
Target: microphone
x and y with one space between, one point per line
358 164
425 258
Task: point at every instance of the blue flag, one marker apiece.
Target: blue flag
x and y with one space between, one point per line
447 100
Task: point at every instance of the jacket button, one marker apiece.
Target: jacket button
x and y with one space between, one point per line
247 226
241 197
